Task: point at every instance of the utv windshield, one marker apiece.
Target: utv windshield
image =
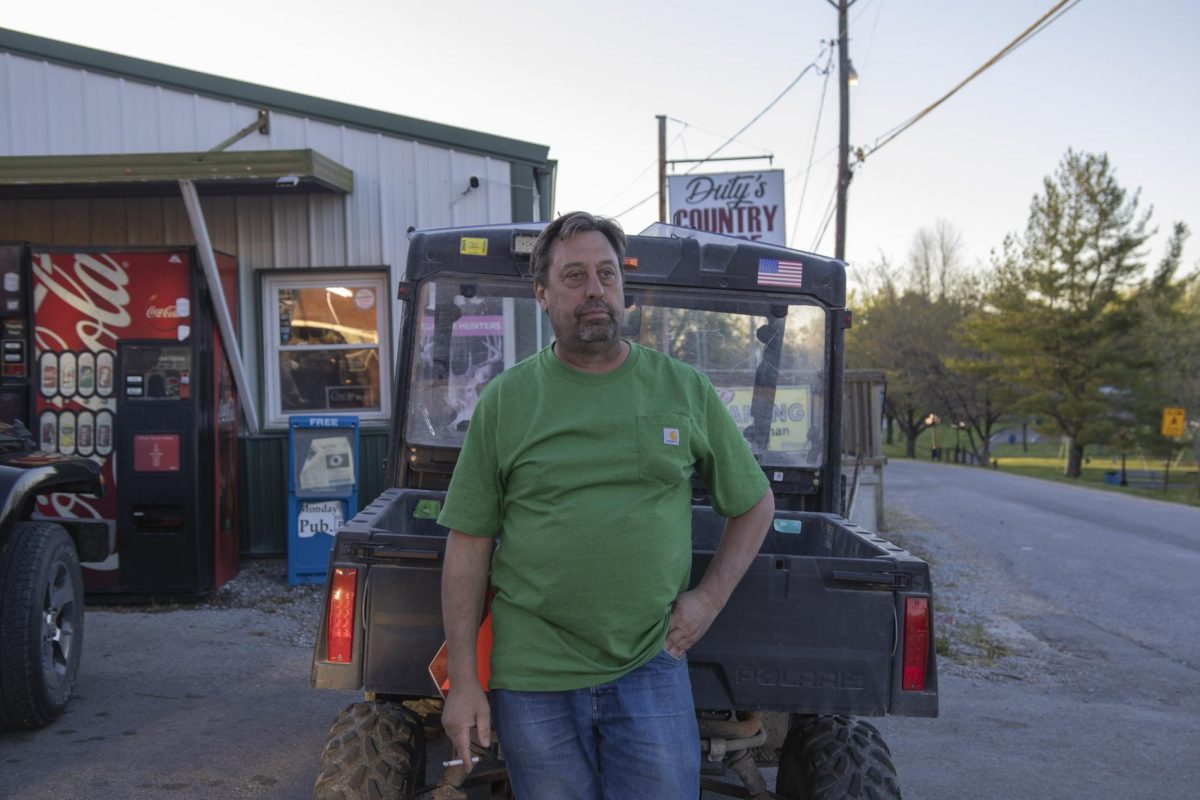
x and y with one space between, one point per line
765 355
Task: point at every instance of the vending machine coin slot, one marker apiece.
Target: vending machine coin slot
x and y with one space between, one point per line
157 445
155 518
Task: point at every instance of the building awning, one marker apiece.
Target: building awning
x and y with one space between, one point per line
150 174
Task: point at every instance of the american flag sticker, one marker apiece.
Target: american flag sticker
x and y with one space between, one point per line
773 272
671 436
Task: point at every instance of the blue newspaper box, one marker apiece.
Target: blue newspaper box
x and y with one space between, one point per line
322 490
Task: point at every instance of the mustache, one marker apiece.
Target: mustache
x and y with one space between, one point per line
588 308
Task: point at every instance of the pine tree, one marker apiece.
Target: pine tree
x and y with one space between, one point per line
1061 315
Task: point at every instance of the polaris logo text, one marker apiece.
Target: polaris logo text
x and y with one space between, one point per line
801 678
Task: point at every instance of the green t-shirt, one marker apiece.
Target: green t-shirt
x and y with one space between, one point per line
586 478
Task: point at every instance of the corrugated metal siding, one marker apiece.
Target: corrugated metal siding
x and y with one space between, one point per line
51 109
372 465
262 475
57 110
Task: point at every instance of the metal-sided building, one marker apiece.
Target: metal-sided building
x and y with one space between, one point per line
311 199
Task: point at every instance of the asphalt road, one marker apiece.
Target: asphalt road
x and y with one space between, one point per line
1071 616
1089 602
182 704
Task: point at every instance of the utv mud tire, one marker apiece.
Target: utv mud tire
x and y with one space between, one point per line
373 750
834 757
41 624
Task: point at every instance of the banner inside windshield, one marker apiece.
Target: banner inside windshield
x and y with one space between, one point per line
765 356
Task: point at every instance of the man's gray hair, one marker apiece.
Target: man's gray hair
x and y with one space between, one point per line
564 228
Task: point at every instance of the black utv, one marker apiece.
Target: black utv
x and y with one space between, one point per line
830 623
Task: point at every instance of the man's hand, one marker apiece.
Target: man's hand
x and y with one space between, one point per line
464 584
466 709
695 610
691 615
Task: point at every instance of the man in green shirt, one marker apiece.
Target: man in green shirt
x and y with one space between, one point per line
578 461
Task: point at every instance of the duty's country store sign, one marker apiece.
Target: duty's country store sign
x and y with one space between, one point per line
748 205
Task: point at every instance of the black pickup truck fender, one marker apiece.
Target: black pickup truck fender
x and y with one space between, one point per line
26 476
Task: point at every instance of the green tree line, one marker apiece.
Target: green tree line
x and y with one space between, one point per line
1069 325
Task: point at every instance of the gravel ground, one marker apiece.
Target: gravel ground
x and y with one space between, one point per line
974 633
262 585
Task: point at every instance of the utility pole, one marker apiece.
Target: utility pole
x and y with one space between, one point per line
662 168
844 174
663 162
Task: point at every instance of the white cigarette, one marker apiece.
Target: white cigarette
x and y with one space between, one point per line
458 762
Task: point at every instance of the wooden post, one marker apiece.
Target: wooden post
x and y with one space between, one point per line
662 168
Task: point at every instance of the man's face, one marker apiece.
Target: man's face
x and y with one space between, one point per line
584 294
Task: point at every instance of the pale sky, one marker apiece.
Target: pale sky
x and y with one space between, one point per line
587 79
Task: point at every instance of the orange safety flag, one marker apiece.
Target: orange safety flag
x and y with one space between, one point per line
440 673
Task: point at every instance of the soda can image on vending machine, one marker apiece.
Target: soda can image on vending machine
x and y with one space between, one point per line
66 374
48 371
85 433
104 373
48 427
86 372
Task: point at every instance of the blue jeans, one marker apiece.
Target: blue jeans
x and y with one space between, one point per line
632 739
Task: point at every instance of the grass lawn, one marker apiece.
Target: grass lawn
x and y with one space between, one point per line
1047 460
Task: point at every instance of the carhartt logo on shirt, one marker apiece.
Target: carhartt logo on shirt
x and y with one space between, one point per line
671 436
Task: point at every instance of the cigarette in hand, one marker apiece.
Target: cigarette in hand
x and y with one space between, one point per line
458 762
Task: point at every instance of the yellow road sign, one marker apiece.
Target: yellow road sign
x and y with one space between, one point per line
1173 421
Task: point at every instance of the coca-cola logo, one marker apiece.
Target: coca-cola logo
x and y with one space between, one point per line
95 287
161 312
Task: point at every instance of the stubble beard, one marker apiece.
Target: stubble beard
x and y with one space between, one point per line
592 336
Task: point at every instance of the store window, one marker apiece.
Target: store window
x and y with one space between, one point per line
326 335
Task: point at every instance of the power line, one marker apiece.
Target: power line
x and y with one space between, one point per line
828 218
1037 27
712 133
865 62
627 186
636 205
800 174
760 114
641 174
813 148
731 139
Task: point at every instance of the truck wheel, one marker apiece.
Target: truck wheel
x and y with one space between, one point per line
373 750
41 624
831 757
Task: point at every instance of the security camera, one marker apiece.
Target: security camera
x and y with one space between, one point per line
287 182
472 183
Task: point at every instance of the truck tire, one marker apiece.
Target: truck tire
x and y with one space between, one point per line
41 624
832 757
374 750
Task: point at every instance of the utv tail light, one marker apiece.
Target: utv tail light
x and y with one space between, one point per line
339 628
916 642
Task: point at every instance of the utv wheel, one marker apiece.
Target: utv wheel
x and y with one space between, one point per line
41 624
834 757
373 750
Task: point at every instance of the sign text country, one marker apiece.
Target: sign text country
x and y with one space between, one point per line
751 222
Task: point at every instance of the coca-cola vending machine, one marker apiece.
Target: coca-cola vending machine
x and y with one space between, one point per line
125 365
